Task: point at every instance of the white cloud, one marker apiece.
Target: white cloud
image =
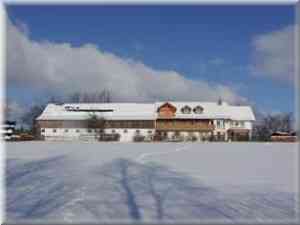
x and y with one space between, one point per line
273 54
62 68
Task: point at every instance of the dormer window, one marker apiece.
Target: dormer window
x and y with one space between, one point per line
186 110
198 109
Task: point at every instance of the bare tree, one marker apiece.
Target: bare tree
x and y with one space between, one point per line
97 123
55 100
36 110
29 117
103 96
75 97
270 124
7 112
107 96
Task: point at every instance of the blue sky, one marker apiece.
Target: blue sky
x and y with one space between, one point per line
211 44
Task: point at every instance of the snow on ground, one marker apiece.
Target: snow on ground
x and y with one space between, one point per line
170 182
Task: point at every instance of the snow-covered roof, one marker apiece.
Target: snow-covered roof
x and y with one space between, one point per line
144 111
110 111
212 110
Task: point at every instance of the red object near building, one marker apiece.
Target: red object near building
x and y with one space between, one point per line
284 137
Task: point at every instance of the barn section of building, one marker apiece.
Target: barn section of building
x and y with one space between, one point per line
71 121
170 120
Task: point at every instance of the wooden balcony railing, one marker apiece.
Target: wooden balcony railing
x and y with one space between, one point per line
184 126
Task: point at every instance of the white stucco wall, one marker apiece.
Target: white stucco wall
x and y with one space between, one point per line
130 133
127 136
72 133
222 129
228 124
199 135
61 133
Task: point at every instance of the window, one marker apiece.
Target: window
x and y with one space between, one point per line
242 123
149 131
113 131
186 110
68 108
220 124
54 130
89 131
236 123
198 109
43 130
137 131
125 131
66 130
77 131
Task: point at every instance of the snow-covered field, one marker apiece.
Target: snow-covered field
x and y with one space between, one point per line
174 182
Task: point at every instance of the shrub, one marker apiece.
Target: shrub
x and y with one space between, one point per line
177 138
159 137
110 137
194 138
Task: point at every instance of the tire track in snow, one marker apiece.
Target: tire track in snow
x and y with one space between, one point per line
143 157
68 215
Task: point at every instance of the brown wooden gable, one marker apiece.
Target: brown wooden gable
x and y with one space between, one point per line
166 110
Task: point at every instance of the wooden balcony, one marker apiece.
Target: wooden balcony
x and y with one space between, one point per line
188 125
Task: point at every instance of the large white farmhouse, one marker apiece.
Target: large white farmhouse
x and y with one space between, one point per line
197 121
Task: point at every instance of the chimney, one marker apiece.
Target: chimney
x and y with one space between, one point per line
220 101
